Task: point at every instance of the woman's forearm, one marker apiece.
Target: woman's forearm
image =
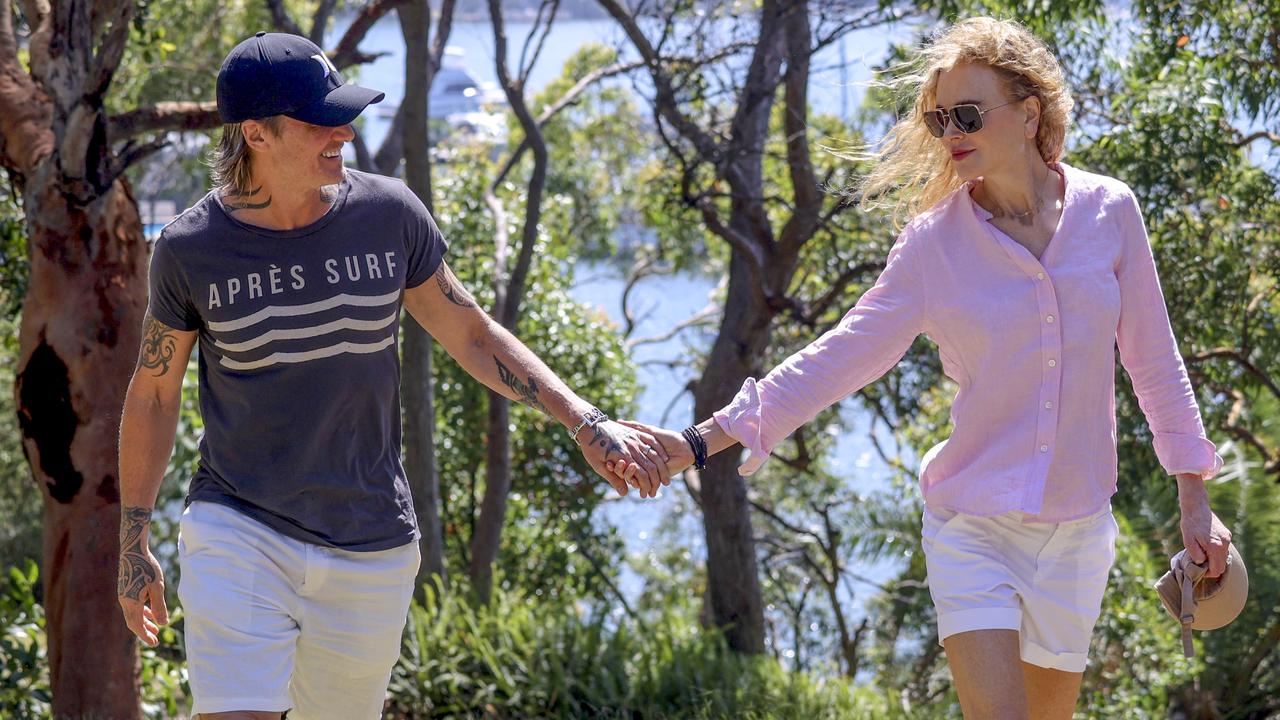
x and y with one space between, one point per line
715 436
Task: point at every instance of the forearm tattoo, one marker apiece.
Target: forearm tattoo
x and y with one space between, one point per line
158 346
452 290
528 393
136 571
234 200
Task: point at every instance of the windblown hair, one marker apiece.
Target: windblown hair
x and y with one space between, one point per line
230 162
912 170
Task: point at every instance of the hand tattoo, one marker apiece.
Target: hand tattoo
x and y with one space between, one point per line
158 346
458 296
136 571
528 393
240 204
605 441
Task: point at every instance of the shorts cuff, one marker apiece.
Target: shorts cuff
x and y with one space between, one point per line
999 618
230 704
1065 661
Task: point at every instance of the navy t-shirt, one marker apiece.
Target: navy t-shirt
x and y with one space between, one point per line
299 364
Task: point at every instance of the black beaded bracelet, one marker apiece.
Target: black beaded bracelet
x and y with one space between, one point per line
698 445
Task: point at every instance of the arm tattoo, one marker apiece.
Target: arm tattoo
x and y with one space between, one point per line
158 346
528 393
235 200
135 571
455 293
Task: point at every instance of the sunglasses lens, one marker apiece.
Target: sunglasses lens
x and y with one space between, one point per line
935 121
967 118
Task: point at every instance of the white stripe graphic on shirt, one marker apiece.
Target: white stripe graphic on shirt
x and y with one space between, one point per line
306 332
298 357
292 310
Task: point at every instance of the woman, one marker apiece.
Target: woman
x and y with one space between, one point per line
1027 273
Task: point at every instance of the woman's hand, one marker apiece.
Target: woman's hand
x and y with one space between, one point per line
1202 532
671 443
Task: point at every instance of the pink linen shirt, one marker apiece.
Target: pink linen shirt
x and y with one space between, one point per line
1030 344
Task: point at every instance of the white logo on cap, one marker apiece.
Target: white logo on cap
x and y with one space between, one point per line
324 63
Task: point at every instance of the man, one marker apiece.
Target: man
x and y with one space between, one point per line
298 546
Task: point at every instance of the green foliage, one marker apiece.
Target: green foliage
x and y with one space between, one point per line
1136 656
24 672
24 669
551 544
20 502
517 659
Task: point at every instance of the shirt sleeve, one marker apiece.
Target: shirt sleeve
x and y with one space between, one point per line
870 339
1149 353
425 244
169 297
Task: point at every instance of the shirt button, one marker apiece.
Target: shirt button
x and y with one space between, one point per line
1044 448
1048 404
1039 276
1049 319
1053 363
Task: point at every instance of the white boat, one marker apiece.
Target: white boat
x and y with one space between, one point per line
466 104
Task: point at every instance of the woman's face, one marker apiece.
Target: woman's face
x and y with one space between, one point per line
1007 134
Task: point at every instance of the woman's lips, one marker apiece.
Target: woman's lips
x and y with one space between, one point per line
960 154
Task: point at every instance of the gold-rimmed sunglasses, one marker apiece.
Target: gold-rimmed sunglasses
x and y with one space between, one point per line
967 118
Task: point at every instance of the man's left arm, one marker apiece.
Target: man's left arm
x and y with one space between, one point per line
495 357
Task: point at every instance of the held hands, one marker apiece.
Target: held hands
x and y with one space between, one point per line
610 442
1202 532
673 445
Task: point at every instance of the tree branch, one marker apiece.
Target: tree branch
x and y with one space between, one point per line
320 19
1259 135
509 310
570 97
26 113
110 50
280 16
164 117
345 54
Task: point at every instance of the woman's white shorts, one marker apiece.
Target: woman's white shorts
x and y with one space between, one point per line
1044 580
273 623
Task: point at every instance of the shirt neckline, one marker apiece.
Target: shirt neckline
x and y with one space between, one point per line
984 217
344 189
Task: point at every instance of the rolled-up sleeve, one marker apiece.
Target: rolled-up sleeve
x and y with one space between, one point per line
1149 354
870 339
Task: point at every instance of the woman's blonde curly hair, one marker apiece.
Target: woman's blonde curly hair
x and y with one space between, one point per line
913 169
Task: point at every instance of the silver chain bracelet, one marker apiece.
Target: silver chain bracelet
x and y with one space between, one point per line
592 418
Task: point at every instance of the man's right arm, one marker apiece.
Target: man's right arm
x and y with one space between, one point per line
147 428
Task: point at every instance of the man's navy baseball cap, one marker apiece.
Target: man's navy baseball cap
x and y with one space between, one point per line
282 74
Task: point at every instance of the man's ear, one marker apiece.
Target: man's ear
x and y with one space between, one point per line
256 135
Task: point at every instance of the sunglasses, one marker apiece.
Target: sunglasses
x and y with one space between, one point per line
967 118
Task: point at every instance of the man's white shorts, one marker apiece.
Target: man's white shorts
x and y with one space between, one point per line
1044 580
273 623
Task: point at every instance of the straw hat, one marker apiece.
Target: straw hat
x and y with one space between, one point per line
1199 602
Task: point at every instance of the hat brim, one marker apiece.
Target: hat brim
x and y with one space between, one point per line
339 107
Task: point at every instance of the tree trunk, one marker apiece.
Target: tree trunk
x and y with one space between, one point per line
733 579
420 452
81 326
509 293
493 509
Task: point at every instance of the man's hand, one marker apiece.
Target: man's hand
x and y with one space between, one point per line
610 442
1202 532
140 583
679 454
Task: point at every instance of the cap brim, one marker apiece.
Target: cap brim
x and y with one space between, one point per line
342 105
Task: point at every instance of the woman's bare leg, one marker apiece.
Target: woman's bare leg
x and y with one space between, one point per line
986 666
1052 693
